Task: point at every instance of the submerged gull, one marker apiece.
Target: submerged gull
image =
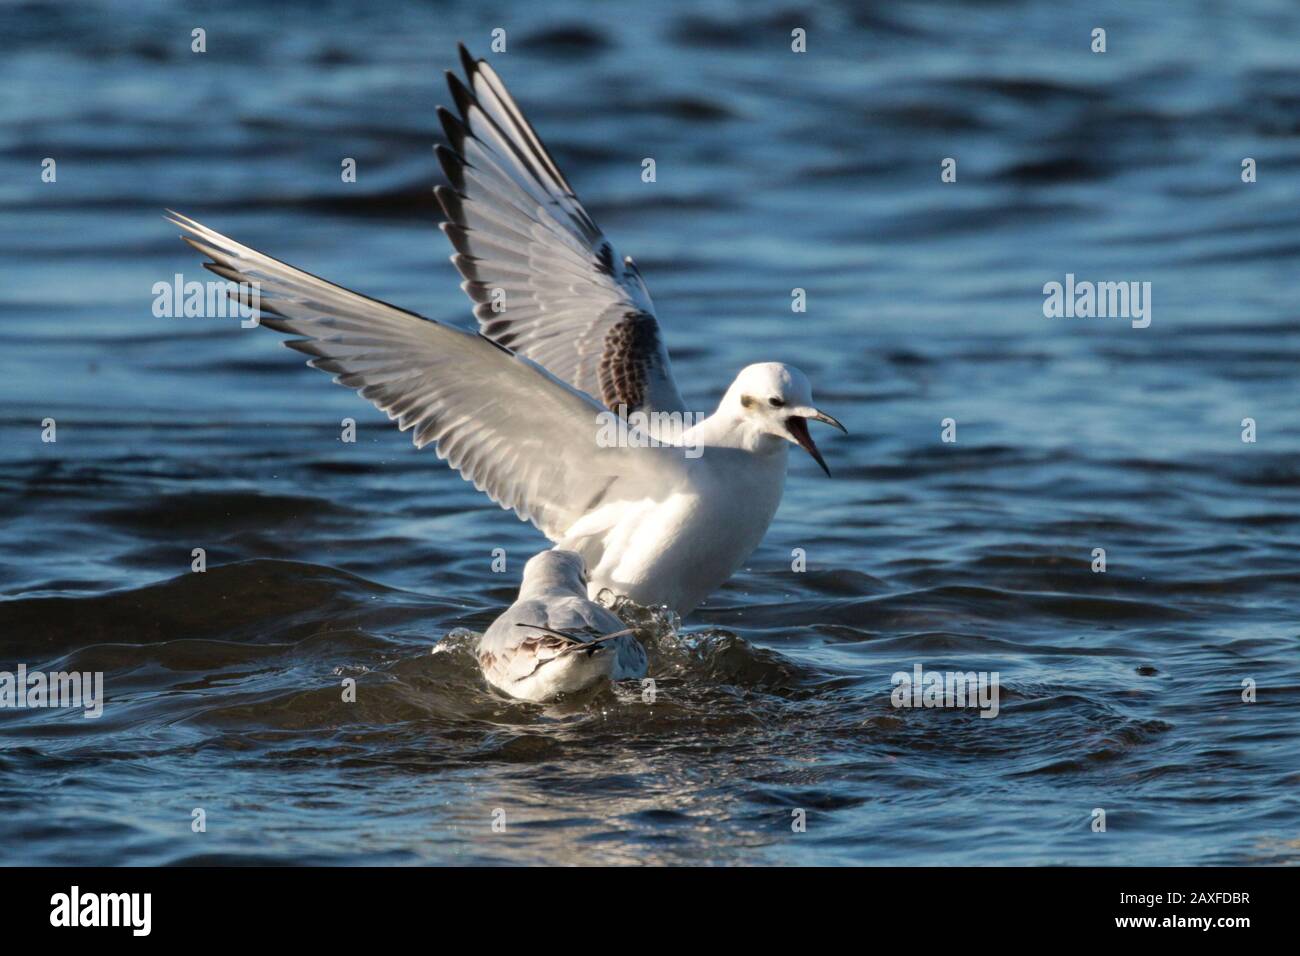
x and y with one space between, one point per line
553 640
567 333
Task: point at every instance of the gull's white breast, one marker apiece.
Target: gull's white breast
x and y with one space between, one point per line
676 549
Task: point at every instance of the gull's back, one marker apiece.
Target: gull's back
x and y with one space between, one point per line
521 659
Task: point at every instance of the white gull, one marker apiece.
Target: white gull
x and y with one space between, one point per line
567 332
553 640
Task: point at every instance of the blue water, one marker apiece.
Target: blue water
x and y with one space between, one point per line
1119 690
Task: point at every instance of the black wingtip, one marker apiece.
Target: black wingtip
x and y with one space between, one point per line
453 166
467 61
454 129
451 206
460 93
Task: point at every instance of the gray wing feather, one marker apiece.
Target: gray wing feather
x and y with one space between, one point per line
517 432
544 279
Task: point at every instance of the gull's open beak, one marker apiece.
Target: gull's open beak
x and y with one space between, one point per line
798 426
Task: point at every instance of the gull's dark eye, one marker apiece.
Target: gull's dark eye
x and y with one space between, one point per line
776 402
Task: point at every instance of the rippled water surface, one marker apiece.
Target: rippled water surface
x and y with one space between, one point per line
775 171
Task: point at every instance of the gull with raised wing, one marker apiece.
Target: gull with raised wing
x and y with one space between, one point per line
567 337
554 640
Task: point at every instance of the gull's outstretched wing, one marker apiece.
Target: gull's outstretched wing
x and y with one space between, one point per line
544 279
517 432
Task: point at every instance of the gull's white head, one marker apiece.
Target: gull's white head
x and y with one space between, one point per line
555 570
775 399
